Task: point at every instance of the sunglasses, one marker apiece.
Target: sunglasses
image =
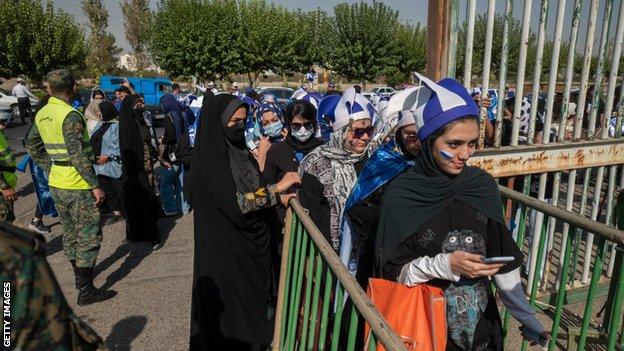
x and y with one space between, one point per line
297 126
358 133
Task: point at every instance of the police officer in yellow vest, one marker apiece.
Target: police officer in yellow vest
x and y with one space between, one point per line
8 180
58 142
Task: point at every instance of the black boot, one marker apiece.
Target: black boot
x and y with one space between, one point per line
87 293
73 263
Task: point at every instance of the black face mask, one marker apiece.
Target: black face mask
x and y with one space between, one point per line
236 134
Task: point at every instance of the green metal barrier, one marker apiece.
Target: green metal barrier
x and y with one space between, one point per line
608 335
320 305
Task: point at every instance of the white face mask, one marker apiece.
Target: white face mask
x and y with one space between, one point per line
303 134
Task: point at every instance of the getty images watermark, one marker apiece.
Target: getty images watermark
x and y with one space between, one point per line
6 314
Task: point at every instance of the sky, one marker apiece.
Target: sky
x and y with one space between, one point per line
412 11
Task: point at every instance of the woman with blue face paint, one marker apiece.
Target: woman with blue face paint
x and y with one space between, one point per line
441 218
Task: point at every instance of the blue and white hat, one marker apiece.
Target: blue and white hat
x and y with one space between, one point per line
444 102
352 107
311 98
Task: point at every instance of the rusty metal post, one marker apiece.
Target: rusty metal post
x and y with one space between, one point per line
438 38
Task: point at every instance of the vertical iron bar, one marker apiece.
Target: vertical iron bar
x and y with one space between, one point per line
550 100
471 10
580 104
613 168
562 290
281 317
337 317
576 15
540 256
594 112
353 328
298 287
591 294
616 311
294 300
487 62
524 44
502 80
541 37
452 50
325 312
315 301
308 294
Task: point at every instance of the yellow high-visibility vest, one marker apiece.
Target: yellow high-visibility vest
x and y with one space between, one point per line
8 160
49 122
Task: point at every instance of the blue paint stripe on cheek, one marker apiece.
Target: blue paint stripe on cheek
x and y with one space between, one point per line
447 155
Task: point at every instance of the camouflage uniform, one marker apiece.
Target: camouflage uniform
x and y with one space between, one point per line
78 215
6 207
40 317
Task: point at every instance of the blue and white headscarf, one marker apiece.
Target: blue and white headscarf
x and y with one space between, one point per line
254 129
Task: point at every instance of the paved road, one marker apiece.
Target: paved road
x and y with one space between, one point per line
152 308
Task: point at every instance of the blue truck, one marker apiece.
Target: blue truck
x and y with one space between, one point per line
150 88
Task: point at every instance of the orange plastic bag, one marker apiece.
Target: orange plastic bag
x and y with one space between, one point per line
416 314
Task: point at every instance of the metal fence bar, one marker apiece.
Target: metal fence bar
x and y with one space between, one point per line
471 9
502 80
576 16
562 283
614 324
573 219
308 243
550 100
524 45
487 62
592 122
452 50
537 227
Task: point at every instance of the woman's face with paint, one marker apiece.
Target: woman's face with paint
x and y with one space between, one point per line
454 147
359 135
410 139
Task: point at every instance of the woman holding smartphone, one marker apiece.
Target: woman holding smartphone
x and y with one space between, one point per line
440 219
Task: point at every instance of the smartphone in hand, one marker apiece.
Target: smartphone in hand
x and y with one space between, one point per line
499 259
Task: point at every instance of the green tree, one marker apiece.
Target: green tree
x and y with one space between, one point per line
196 38
35 39
412 41
315 37
267 40
103 52
365 47
137 23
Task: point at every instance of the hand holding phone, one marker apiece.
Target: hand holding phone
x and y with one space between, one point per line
499 259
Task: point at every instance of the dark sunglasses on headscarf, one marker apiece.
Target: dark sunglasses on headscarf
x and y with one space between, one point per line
297 126
359 132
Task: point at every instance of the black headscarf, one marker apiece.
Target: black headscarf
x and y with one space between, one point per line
312 143
130 138
214 157
423 191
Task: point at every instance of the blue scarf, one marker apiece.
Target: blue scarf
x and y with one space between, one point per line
383 165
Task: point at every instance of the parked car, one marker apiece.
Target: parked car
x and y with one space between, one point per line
9 102
384 91
282 95
369 95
